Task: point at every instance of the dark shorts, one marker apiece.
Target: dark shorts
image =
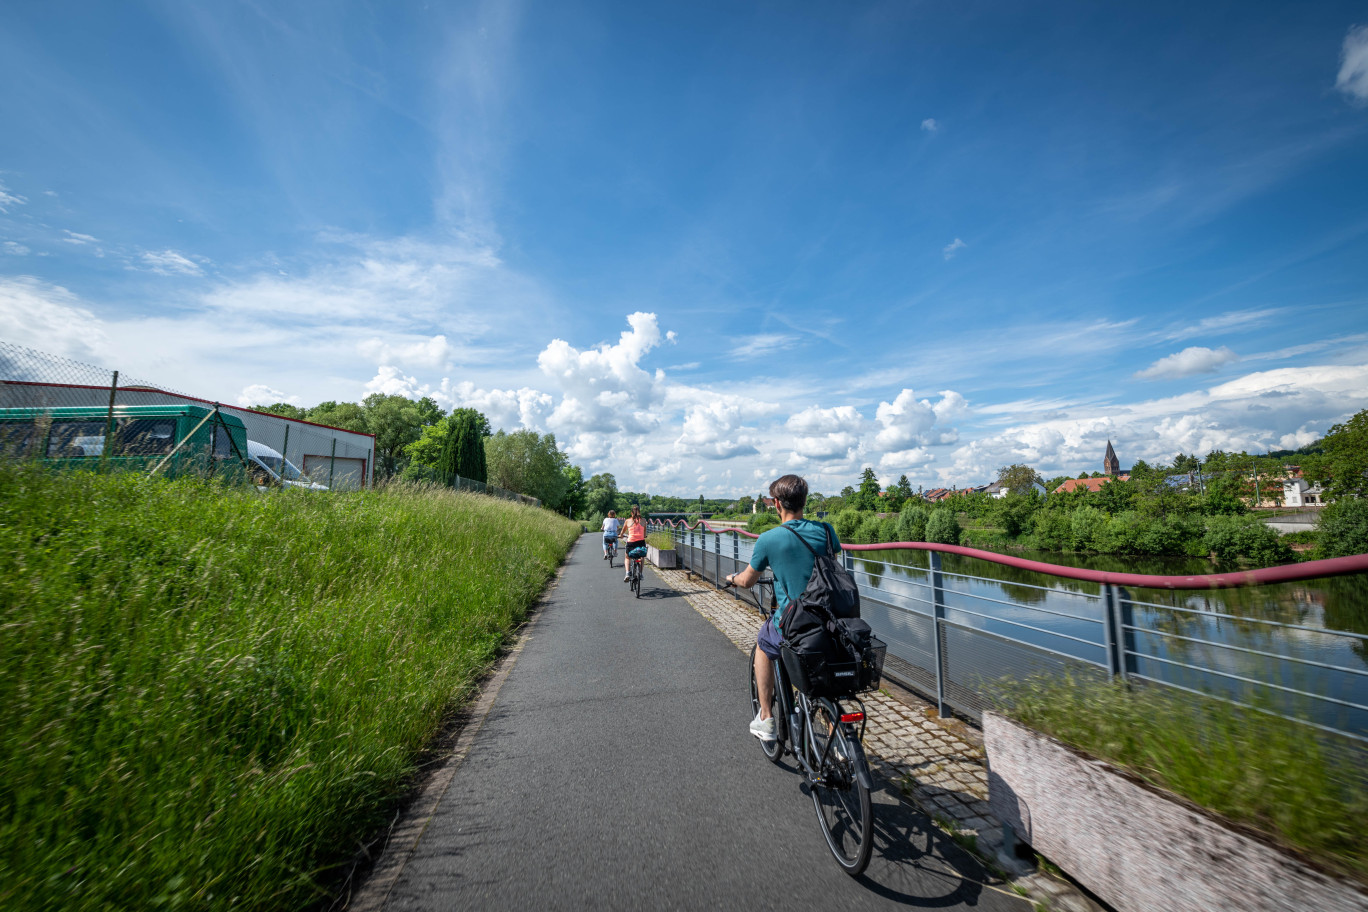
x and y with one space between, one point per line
768 639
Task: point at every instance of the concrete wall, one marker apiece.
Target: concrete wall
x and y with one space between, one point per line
1137 849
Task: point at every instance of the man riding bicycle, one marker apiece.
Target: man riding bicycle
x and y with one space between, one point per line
791 564
610 532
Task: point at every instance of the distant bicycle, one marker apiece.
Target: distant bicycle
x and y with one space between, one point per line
610 549
826 737
634 565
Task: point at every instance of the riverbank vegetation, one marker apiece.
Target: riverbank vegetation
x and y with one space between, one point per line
211 696
1256 769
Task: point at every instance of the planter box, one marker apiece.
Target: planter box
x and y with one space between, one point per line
665 560
1137 848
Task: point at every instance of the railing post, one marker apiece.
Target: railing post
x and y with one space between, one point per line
1111 629
1125 637
736 559
107 449
938 615
717 559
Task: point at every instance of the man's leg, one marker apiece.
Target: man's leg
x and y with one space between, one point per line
764 682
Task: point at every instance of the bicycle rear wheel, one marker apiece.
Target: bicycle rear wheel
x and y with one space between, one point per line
773 749
636 580
840 799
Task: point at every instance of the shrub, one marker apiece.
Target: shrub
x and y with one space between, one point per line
759 522
888 529
943 527
1053 530
1344 528
1085 525
1015 513
846 523
868 531
1235 536
1117 534
912 523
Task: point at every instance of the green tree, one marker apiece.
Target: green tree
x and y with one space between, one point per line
1343 528
1230 537
429 412
575 499
600 494
745 503
346 415
466 456
1183 463
847 494
1017 478
867 498
912 522
1343 470
528 463
395 421
1015 513
284 409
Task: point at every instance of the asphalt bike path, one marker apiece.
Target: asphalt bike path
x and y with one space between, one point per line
615 771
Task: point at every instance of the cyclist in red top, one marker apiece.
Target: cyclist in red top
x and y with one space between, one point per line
634 534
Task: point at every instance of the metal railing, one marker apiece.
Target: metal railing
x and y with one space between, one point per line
954 632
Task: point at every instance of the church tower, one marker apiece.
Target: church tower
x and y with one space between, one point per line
1110 464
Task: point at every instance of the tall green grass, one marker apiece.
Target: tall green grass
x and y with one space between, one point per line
1254 768
208 696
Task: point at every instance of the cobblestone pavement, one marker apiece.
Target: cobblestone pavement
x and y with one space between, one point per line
937 767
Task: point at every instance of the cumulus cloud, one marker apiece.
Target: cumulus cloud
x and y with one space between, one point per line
952 248
930 125
168 263
908 422
604 388
826 434
1189 362
1353 74
714 431
435 352
261 394
9 200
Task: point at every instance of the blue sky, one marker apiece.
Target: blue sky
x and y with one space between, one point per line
709 243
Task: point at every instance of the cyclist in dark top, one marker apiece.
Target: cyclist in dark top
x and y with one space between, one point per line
791 563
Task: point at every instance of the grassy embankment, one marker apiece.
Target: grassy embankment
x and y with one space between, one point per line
1264 772
209 696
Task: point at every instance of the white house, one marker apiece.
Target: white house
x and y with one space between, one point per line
1298 492
998 490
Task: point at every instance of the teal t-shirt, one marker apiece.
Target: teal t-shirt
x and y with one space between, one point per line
778 550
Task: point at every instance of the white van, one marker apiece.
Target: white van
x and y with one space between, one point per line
271 468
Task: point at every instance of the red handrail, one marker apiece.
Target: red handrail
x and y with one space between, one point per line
1288 573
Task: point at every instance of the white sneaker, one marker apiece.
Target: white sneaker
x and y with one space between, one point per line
763 729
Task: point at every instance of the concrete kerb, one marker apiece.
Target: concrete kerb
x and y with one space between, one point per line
934 767
373 893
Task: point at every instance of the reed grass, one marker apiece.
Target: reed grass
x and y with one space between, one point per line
209 696
661 541
1271 774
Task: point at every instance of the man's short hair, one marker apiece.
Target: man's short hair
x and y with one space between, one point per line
790 492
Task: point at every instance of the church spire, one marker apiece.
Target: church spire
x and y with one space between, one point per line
1110 464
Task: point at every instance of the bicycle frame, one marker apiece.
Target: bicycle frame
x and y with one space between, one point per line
808 757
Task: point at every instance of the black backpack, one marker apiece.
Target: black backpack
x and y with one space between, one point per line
830 595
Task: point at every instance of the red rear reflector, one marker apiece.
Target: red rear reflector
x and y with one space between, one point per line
852 717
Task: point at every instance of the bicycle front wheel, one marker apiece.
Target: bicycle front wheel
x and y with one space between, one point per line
841 800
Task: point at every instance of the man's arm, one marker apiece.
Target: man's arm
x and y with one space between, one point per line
746 578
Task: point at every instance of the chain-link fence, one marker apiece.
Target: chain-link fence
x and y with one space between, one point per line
77 407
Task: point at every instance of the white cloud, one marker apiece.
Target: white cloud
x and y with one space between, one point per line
909 422
74 237
826 434
49 318
261 394
1234 319
1353 74
435 352
169 262
930 125
714 431
763 344
1189 362
604 388
953 247
9 200
13 248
